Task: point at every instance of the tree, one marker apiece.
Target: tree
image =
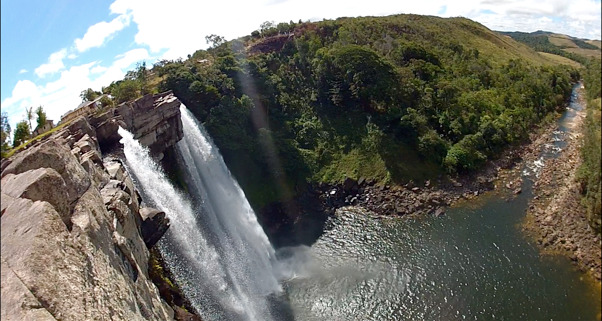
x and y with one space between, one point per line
266 25
5 132
89 95
215 40
125 90
29 115
105 101
41 116
268 29
22 133
142 77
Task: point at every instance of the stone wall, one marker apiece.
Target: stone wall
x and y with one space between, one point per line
74 238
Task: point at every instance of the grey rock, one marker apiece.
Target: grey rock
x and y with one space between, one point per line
50 154
42 184
154 225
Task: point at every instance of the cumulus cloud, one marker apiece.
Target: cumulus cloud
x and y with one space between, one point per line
578 18
184 24
133 56
62 95
101 32
54 64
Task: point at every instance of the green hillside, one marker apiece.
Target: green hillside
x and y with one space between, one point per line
579 50
394 99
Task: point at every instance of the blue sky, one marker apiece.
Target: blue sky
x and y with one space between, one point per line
52 50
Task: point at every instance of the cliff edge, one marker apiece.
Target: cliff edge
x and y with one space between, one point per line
75 237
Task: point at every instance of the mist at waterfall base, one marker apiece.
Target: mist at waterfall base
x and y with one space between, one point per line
215 248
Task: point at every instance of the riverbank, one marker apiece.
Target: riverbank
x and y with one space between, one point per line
556 218
302 220
433 197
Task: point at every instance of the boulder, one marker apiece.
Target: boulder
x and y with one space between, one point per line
76 275
154 225
51 154
350 185
183 315
439 212
80 127
42 184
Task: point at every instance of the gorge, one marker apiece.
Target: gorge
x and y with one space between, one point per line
328 173
225 264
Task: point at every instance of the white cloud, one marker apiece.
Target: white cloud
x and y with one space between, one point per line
101 32
54 64
184 24
98 69
129 58
578 18
61 95
22 71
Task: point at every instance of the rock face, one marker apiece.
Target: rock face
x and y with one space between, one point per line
154 225
72 246
153 119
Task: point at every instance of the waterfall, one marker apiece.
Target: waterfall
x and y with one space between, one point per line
216 249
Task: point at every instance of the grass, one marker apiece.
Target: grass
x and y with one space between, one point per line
562 41
596 43
33 140
354 164
561 60
585 52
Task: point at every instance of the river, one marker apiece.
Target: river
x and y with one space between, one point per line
474 263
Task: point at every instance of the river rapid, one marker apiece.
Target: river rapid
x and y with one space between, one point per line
474 263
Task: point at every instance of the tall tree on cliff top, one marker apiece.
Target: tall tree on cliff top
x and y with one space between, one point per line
89 95
22 133
5 127
29 115
41 116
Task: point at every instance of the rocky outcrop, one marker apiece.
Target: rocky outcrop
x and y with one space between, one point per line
154 225
72 246
153 119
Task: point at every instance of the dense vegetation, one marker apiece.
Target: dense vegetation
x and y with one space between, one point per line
393 99
590 171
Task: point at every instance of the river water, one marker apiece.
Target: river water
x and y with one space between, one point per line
474 263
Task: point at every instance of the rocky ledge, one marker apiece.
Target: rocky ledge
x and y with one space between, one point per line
153 119
556 218
75 235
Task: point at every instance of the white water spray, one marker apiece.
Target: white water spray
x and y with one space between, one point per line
215 247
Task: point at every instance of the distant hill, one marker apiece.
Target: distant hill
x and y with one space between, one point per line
576 49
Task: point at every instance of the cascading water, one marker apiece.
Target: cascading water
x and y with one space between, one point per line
215 247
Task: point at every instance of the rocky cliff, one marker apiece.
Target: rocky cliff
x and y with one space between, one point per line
153 119
75 236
